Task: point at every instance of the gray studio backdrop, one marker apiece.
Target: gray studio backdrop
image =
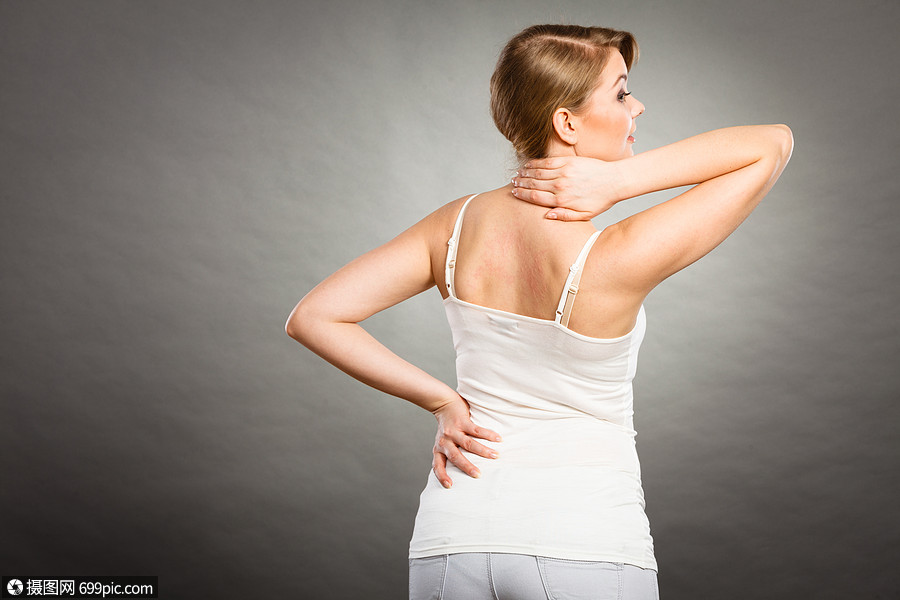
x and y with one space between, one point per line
176 175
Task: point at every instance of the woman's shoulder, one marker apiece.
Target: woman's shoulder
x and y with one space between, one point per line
444 218
440 222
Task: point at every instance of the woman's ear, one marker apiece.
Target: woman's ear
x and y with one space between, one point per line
564 126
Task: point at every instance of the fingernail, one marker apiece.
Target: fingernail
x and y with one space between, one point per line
494 455
515 191
552 216
476 473
447 484
498 439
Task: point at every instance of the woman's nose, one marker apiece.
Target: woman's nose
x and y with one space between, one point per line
638 108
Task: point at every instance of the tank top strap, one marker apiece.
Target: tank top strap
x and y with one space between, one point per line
453 243
564 309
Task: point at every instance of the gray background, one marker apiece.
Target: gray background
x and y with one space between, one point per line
176 175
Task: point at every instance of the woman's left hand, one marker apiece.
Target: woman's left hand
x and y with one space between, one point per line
457 432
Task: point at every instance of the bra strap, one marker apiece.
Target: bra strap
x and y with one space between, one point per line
450 266
564 310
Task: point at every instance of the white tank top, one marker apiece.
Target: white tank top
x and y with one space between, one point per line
568 481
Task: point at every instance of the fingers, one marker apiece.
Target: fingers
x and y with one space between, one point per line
464 440
439 466
566 214
532 183
536 197
486 434
452 453
449 449
470 445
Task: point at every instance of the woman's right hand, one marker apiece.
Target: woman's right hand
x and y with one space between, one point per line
576 188
457 432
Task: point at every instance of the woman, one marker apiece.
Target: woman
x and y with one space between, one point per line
556 509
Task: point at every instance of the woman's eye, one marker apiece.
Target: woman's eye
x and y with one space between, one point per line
622 96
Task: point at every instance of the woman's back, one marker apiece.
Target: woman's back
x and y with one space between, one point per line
512 259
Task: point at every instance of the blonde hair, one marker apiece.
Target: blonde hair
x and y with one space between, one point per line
546 67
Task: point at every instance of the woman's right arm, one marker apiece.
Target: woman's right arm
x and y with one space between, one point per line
733 168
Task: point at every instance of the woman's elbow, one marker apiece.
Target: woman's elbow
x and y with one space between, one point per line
784 142
296 325
776 154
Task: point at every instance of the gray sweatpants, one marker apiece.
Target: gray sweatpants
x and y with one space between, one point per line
497 576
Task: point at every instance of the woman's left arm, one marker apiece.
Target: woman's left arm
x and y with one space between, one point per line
327 321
